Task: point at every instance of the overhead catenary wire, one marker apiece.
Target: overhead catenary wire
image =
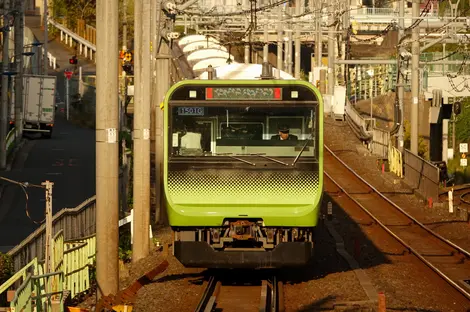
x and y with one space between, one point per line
391 26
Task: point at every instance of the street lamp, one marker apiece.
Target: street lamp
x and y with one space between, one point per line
34 44
370 72
29 53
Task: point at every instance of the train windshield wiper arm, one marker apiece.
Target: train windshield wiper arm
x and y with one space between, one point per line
272 159
302 150
230 155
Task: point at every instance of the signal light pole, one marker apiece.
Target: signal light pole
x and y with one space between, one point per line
107 148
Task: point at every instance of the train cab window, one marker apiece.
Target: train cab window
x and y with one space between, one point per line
241 130
237 129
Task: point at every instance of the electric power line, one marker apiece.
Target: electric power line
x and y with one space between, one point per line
24 186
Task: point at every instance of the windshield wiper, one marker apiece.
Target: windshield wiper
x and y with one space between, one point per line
263 156
230 155
302 150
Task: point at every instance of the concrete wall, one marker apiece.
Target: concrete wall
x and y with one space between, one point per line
34 7
28 39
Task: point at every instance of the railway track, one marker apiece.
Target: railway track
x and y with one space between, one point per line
461 195
401 235
465 197
229 292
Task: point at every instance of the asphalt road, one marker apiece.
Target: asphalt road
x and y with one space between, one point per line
67 159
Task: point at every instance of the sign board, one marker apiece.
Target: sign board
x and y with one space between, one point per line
68 74
463 147
463 162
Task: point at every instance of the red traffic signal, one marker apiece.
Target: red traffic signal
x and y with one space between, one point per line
73 60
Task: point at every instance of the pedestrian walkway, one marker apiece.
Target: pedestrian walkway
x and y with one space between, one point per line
59 50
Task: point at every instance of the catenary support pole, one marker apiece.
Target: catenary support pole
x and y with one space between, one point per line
107 147
331 49
5 65
247 45
454 120
401 89
279 39
266 39
297 42
141 134
290 60
415 79
286 51
318 38
19 49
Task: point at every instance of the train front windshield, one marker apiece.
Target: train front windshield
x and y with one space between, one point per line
281 130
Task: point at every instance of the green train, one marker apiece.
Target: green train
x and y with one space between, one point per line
243 171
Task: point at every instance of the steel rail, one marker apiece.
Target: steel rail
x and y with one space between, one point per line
415 221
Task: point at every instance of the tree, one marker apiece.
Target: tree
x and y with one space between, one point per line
73 10
462 125
6 267
422 148
463 8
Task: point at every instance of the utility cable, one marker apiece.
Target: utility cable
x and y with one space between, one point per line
23 186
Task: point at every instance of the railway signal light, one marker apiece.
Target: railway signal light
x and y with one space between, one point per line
73 60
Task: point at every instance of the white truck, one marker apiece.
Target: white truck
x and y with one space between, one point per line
39 95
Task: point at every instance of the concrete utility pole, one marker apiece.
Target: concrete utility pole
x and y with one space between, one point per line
415 78
46 38
318 42
49 252
5 67
162 68
123 92
331 50
107 147
141 134
401 89
19 60
154 43
297 42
